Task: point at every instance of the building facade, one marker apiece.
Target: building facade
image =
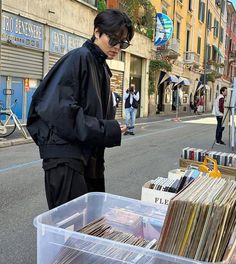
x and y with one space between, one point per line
230 46
196 52
35 34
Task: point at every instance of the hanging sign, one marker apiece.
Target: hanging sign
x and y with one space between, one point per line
164 29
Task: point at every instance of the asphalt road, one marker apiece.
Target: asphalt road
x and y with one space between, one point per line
153 151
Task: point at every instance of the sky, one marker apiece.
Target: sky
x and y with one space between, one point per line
234 1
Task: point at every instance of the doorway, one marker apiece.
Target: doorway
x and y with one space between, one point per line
160 105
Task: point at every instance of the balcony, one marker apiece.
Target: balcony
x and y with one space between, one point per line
170 49
210 68
191 57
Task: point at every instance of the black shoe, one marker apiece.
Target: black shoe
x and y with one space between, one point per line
222 142
131 133
126 133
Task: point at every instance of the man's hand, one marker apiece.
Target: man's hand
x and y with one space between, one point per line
123 128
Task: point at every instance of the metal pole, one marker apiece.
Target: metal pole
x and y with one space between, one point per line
0 37
177 102
232 114
205 56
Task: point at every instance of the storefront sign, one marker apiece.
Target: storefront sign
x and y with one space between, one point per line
62 42
21 31
164 29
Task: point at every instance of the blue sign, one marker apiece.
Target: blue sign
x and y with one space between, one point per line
164 29
21 31
62 42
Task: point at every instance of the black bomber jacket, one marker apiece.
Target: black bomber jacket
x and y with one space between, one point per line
70 111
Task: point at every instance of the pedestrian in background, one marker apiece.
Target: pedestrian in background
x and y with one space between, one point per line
218 111
131 98
201 104
116 98
70 116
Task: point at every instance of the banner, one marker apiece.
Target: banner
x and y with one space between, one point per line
164 29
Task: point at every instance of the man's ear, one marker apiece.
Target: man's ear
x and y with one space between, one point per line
96 33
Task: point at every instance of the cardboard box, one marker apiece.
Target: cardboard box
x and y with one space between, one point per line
155 196
175 174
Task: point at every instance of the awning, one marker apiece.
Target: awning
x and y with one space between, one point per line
169 78
217 50
163 77
201 86
173 79
183 81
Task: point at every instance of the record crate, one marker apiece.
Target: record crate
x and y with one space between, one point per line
227 172
58 236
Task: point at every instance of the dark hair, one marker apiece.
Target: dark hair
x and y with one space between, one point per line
222 89
115 22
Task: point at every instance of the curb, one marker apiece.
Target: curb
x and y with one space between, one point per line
14 142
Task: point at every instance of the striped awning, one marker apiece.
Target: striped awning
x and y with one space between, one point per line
169 78
201 86
183 81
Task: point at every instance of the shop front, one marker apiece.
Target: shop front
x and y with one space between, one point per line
136 76
61 42
21 61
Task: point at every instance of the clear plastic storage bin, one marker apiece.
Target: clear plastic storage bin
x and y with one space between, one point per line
57 234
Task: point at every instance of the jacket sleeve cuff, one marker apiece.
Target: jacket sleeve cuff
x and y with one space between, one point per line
112 133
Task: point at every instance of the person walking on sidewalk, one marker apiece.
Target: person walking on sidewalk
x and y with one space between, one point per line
70 116
131 98
218 111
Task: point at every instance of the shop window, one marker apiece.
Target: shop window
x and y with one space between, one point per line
209 20
221 34
216 28
136 66
178 30
190 5
199 45
201 11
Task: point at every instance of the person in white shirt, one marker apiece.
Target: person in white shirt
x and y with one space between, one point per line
218 111
131 98
116 98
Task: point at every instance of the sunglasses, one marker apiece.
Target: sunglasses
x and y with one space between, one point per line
124 44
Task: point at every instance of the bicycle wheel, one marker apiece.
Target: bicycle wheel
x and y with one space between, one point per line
6 128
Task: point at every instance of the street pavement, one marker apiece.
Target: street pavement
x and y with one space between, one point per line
17 139
152 152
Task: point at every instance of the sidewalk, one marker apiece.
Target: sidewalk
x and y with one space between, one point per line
17 139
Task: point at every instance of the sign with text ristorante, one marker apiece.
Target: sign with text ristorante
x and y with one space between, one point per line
22 31
62 42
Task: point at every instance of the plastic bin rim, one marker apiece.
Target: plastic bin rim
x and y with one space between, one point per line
104 194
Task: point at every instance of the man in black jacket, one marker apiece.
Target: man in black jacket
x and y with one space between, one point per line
70 116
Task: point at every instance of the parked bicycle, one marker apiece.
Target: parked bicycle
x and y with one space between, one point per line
9 122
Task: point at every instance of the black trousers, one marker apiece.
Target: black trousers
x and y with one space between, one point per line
219 128
67 179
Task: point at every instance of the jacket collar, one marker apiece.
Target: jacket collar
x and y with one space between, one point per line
96 51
